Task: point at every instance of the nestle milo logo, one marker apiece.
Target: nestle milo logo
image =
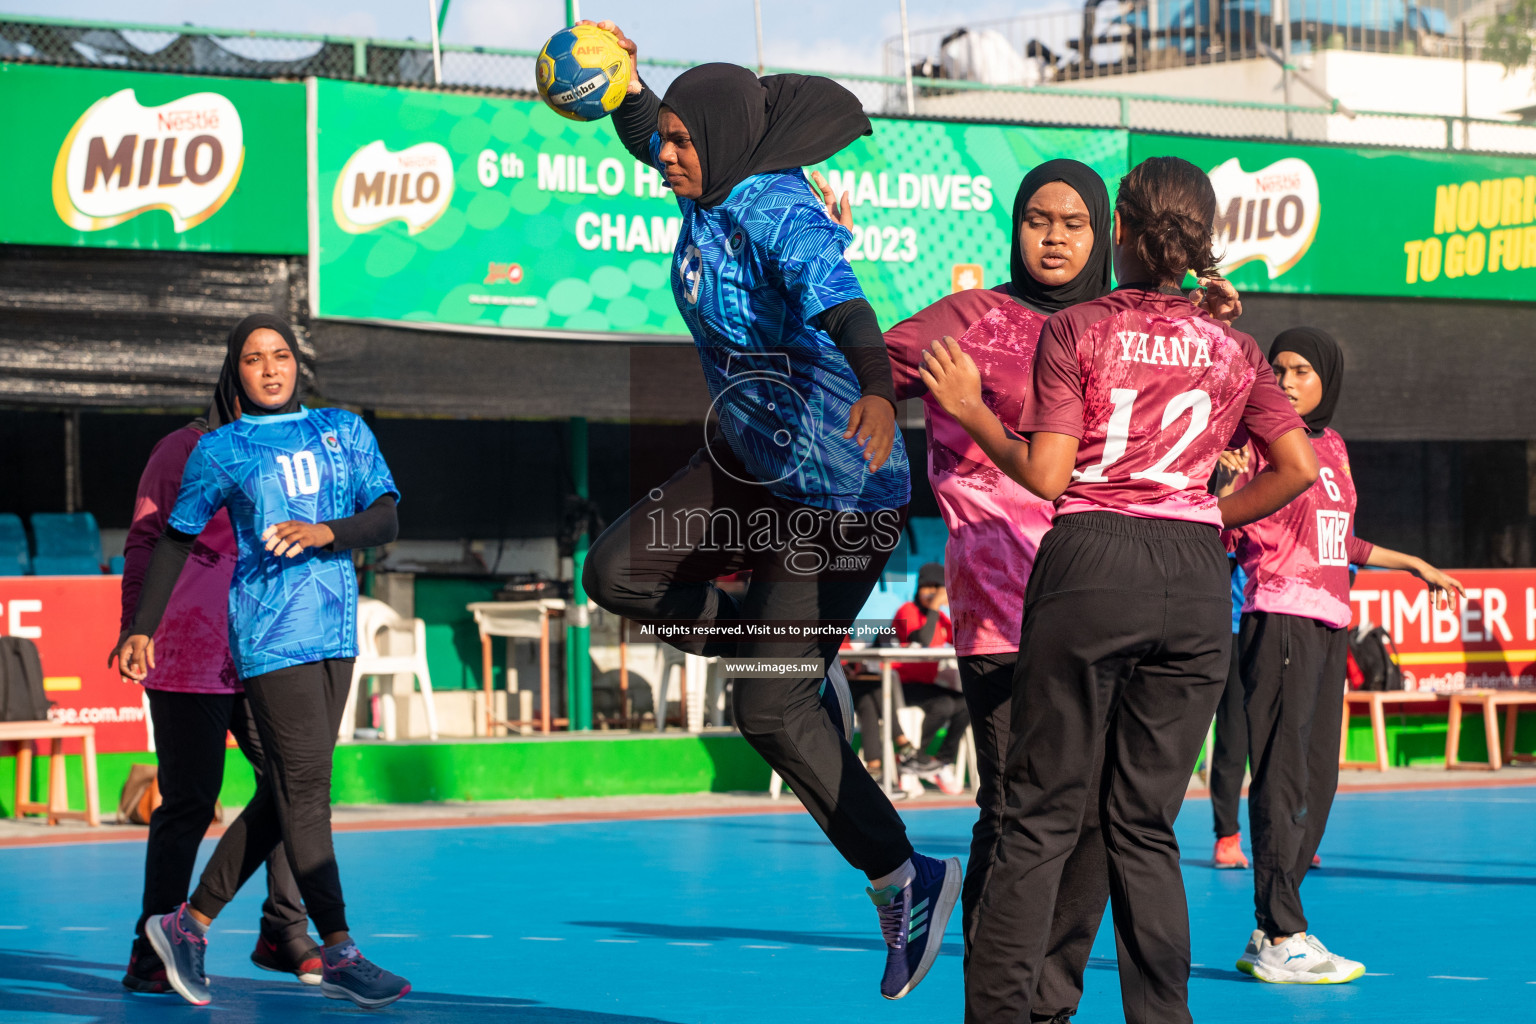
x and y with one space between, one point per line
1269 214
122 159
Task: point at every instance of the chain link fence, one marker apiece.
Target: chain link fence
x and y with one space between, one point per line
510 72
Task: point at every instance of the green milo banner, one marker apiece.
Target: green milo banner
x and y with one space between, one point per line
1343 221
499 214
146 161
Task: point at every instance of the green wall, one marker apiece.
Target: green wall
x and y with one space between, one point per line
599 765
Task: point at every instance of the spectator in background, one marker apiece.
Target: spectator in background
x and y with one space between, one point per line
922 622
195 699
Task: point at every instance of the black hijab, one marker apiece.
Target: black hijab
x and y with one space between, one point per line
744 125
228 390
1318 348
1093 282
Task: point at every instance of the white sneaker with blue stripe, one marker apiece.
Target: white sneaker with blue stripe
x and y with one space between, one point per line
912 921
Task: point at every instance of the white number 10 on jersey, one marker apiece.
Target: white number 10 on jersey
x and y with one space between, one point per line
300 473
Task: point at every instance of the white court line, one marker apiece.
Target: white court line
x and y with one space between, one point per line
690 943
394 935
238 931
631 942
472 936
839 949
1373 974
13 927
81 928
764 947
1453 977
540 938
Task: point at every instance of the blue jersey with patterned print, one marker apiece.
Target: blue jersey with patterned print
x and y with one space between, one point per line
314 465
750 277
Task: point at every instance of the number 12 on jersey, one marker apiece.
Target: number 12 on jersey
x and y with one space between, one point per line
300 474
1117 437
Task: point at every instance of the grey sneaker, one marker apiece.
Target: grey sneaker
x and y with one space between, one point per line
181 950
347 974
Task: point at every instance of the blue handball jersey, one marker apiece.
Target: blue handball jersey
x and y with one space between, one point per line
750 276
313 465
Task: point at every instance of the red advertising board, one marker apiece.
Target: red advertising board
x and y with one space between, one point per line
74 620
1486 642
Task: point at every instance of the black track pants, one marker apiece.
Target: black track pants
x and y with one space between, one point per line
1125 647
298 711
189 745
658 563
1229 761
1294 679
987 680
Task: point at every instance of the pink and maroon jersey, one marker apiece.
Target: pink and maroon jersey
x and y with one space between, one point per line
1298 559
995 525
1154 390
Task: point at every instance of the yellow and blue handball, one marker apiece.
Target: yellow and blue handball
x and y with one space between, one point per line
583 73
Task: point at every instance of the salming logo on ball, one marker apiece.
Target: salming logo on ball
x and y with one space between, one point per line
377 186
1269 214
122 159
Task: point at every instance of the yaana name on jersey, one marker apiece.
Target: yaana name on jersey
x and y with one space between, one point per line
1172 350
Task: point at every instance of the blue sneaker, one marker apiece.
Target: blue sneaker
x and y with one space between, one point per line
838 699
912 919
347 974
182 950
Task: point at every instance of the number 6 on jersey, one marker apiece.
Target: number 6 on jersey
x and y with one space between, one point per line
300 474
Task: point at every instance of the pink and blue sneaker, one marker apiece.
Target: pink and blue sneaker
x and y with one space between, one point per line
912 920
347 974
182 947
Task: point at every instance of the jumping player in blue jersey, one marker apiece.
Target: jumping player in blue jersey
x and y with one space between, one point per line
805 482
303 487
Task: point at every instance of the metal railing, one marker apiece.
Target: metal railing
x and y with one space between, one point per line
188 50
1129 36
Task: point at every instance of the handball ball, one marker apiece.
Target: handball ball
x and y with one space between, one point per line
582 73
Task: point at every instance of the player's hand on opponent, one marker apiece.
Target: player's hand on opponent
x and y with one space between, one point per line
840 210
1229 466
952 378
628 46
1218 298
293 537
873 419
1442 588
135 657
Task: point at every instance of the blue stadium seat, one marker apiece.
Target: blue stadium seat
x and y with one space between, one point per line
14 560
66 544
115 565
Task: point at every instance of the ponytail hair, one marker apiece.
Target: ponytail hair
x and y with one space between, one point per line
1167 208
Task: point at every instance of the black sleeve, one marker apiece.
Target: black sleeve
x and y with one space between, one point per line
856 332
171 552
924 636
377 524
635 121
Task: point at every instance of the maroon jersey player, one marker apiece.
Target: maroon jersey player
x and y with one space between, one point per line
1295 610
1126 634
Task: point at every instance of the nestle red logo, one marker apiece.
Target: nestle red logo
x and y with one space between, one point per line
512 273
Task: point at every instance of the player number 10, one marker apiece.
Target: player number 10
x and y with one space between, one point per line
300 473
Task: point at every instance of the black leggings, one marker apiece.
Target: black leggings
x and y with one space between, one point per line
1124 649
988 683
1229 761
657 565
189 745
298 711
942 708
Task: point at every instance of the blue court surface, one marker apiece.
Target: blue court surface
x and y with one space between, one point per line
750 919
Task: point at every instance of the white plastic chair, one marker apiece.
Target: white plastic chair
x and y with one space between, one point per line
373 618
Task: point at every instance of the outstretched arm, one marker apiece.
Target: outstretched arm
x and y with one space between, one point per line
1442 587
1043 465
